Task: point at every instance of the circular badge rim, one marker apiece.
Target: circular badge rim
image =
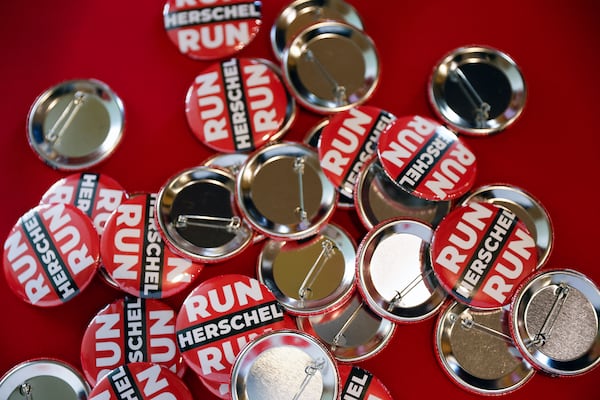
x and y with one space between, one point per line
500 194
369 292
289 13
45 150
386 330
51 367
243 192
344 289
181 246
520 335
364 180
450 370
312 32
332 394
477 54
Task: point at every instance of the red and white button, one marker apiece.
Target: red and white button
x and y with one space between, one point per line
348 141
97 195
218 318
426 159
358 383
211 29
135 256
237 105
51 254
481 253
141 381
129 330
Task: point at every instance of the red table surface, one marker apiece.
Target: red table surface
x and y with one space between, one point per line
552 151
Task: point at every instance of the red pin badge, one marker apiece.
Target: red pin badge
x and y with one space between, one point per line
238 105
481 253
135 255
426 159
218 318
141 381
51 254
129 330
211 29
348 141
97 195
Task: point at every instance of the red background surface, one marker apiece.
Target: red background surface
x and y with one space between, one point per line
551 151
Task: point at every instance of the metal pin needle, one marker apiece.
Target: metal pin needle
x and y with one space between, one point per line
482 109
310 371
66 117
560 296
467 322
299 169
339 91
407 289
344 328
229 224
315 270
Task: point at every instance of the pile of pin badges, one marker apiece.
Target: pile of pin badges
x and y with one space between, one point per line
347 300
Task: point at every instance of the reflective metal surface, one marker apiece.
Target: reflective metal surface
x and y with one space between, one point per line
43 379
477 90
284 365
378 198
353 332
76 124
474 348
303 13
205 194
327 274
394 271
283 193
331 66
555 322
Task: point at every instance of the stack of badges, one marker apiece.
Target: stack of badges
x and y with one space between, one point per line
322 301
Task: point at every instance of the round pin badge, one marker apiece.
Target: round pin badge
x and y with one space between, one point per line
211 29
285 364
312 277
300 14
142 381
51 254
475 350
554 322
283 192
239 104
426 159
97 195
358 383
348 141
351 332
76 124
130 329
481 253
331 66
198 217
378 198
395 275
43 378
311 139
477 90
218 318
525 206
135 256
